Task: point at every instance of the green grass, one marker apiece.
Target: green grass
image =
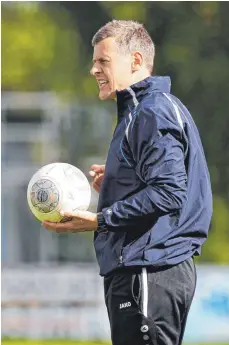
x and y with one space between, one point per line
67 342
50 342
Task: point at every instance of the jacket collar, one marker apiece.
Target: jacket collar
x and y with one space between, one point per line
129 98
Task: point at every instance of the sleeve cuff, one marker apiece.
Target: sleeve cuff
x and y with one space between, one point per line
102 226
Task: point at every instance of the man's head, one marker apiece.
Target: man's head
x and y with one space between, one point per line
123 55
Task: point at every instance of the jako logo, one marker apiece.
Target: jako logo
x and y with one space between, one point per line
124 305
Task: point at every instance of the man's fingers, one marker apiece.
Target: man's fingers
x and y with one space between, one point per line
66 214
92 173
52 226
75 221
98 168
96 187
76 225
95 174
98 178
78 214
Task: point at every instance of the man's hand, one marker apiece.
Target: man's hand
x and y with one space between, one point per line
80 221
97 172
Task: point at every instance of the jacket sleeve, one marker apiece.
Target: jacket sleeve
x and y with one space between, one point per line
159 157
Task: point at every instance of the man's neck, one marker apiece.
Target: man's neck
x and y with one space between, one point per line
139 76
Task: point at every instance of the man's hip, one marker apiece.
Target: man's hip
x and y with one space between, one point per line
148 307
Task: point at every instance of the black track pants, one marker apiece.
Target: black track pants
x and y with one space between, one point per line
150 308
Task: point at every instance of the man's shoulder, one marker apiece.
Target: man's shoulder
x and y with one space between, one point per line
162 110
155 105
158 100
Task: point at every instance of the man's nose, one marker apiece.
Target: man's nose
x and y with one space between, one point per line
94 70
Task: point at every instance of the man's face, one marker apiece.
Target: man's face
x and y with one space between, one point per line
111 69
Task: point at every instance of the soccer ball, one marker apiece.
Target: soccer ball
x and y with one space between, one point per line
56 187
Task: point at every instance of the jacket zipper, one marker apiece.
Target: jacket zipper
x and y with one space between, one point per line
120 261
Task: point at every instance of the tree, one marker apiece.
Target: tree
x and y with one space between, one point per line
37 53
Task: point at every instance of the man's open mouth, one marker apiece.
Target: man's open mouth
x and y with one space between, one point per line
102 82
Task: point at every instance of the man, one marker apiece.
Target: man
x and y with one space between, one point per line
155 200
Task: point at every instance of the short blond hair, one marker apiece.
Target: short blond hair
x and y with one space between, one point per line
130 36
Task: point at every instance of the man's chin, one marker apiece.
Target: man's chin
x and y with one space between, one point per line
103 96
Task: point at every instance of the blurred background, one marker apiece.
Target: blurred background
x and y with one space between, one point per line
50 111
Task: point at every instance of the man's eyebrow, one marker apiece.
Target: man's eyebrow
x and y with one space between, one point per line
101 58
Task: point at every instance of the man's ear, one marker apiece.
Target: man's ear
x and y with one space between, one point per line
137 61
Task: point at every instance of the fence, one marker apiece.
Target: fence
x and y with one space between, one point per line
67 302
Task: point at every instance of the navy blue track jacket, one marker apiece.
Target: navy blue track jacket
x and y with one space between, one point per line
155 201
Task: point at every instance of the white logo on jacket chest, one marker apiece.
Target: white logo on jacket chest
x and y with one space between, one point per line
124 305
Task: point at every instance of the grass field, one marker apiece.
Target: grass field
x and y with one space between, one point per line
67 342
